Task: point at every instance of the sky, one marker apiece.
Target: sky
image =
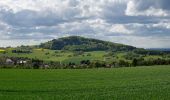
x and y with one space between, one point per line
140 23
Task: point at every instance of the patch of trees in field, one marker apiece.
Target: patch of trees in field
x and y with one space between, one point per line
22 49
148 52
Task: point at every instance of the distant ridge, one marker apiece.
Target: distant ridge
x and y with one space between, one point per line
159 49
78 43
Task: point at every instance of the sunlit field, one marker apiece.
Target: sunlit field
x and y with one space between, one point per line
1 50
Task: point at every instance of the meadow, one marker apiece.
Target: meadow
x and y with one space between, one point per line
71 56
57 55
136 83
2 50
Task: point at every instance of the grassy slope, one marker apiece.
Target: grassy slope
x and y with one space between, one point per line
65 56
145 83
59 56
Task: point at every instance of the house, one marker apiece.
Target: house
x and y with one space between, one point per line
108 66
22 62
46 66
9 61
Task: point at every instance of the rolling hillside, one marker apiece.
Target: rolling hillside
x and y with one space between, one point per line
77 50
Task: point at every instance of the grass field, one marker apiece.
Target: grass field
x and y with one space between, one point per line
57 55
2 50
68 56
140 83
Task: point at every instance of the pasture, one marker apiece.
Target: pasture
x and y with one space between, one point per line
58 55
138 83
71 56
2 50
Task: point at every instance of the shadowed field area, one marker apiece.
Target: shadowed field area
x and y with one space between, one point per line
143 83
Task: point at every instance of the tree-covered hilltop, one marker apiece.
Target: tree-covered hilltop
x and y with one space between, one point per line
77 43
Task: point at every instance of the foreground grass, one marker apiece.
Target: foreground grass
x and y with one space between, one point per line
144 83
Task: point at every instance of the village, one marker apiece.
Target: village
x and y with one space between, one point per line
22 62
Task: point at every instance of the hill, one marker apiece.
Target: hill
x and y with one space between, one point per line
77 43
80 52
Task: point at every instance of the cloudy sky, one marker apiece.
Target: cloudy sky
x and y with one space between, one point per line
141 23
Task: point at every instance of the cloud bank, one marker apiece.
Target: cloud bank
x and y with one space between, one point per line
135 22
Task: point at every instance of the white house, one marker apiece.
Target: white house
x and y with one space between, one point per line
21 62
9 61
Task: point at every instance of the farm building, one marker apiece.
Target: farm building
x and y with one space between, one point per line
9 61
21 62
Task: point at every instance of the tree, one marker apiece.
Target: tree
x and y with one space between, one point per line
134 62
36 63
85 62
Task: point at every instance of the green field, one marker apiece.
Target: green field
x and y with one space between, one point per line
138 83
58 55
69 56
2 50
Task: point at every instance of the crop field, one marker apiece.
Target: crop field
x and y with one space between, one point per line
138 83
2 50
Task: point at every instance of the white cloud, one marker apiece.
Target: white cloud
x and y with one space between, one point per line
162 25
150 11
118 28
15 43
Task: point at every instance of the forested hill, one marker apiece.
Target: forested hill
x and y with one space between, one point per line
77 43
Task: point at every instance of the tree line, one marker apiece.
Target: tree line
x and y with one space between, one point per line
26 63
